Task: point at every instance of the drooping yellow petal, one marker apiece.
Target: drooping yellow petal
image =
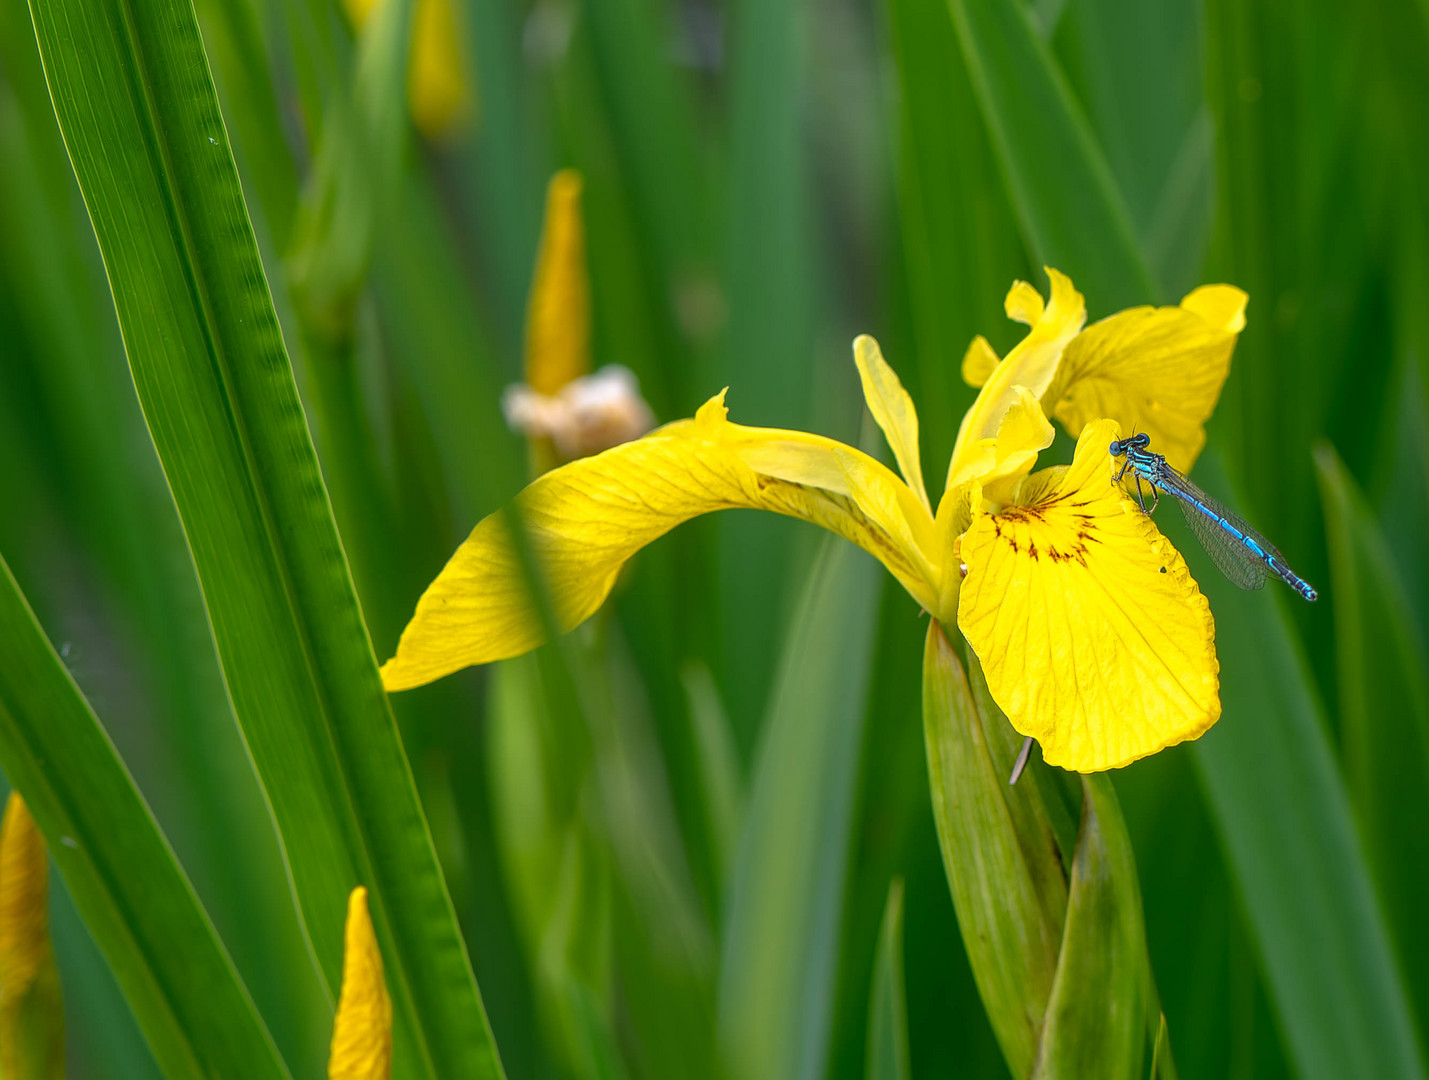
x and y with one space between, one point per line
362 1029
585 519
1032 364
439 88
893 410
24 888
1157 370
979 362
558 316
1095 639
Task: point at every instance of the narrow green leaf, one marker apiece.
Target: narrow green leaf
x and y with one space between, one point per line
137 108
1001 894
1072 213
134 897
1384 710
887 1055
1284 817
721 784
786 903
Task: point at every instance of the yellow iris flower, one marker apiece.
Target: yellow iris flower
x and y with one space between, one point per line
1093 635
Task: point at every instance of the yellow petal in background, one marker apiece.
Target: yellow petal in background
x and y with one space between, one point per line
439 88
1157 370
585 519
893 410
558 317
24 914
31 1004
1095 639
362 1029
1032 364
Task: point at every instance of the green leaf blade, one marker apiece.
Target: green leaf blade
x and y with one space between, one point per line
140 118
141 909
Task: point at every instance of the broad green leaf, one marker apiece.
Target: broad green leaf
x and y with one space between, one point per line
1005 894
887 1054
1284 817
138 112
1072 214
781 948
132 893
1384 710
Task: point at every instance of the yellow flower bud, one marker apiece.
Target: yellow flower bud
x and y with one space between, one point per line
362 1030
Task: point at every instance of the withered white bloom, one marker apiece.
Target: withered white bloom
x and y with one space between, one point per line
587 415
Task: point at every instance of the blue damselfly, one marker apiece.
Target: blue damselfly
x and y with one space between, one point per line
1243 555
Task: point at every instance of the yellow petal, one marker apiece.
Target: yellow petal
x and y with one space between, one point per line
585 519
1095 639
1222 306
979 362
1023 304
1003 460
1031 364
362 1029
24 887
893 409
558 318
1157 370
438 87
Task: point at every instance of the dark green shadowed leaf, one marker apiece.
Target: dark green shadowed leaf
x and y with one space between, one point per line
136 106
887 1005
1384 711
1072 213
133 895
1284 817
781 948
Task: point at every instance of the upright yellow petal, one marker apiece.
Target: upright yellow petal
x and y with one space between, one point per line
24 888
1157 370
1031 364
439 88
999 462
558 316
893 409
1095 639
585 519
979 362
362 1029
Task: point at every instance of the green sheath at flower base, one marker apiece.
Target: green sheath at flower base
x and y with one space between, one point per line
1062 969
999 889
1103 1019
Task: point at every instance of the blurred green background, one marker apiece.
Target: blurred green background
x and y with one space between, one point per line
702 852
